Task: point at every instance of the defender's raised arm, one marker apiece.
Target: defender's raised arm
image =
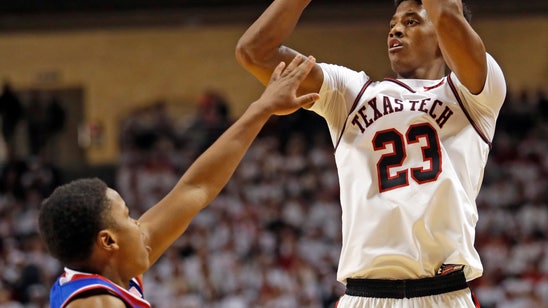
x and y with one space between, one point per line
205 178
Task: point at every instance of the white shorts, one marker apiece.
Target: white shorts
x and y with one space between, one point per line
457 299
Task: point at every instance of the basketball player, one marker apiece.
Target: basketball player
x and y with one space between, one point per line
410 151
87 225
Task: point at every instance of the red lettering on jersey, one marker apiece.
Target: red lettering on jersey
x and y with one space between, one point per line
368 113
445 115
387 105
398 102
434 104
413 104
356 121
376 113
422 106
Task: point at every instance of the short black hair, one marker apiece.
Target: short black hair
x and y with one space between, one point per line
72 216
466 10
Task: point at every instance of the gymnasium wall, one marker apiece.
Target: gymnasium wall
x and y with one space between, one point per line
124 67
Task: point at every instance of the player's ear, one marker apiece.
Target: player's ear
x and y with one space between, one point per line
106 240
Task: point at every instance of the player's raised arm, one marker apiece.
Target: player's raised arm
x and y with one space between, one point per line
205 178
261 47
462 48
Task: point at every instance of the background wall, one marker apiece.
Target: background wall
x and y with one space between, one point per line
124 67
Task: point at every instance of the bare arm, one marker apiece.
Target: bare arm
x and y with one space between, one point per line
205 178
461 46
260 48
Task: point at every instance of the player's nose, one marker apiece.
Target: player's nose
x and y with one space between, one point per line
396 31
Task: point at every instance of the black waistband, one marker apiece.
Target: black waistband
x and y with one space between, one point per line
381 288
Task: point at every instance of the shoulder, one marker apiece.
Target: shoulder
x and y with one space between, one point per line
102 300
78 289
334 69
493 68
341 79
494 90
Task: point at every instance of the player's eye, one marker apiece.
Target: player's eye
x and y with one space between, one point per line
411 22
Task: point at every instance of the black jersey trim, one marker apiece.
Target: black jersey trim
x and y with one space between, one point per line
351 110
396 81
474 125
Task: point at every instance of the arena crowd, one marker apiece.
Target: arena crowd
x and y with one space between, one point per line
272 238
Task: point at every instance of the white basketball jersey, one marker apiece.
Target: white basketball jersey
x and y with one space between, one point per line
410 157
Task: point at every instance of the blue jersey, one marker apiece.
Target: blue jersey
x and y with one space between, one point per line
71 284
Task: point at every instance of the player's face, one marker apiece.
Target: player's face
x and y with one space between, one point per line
412 44
133 252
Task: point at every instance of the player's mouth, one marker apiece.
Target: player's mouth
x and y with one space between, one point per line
394 45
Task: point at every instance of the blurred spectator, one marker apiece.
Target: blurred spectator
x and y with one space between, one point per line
210 121
271 239
11 111
542 104
45 120
37 122
56 117
11 176
145 126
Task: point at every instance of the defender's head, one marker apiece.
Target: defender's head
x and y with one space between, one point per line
72 216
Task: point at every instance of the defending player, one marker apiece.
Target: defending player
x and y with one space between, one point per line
410 151
87 225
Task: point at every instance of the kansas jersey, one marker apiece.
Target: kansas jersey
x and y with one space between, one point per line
410 156
72 284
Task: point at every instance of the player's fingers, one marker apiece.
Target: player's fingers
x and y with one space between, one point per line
277 71
307 99
304 68
293 64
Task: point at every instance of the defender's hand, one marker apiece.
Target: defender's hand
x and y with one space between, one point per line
281 93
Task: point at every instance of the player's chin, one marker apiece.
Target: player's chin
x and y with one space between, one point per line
398 66
395 58
142 267
144 262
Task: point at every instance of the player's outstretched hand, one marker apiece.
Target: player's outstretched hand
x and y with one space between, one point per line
280 96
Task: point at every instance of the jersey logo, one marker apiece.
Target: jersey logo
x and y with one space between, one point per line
375 109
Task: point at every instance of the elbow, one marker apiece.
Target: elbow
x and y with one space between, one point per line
248 54
252 53
244 54
249 58
257 56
